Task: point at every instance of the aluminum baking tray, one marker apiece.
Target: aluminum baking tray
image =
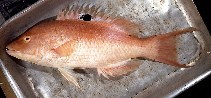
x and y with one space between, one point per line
151 79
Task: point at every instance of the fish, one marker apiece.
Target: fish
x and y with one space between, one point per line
87 37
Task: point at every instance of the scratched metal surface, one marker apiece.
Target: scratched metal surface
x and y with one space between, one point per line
151 79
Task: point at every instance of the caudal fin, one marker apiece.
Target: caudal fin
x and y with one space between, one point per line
162 48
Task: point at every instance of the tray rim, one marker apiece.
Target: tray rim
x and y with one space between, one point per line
20 94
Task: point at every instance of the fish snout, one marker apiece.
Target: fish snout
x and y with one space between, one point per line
10 49
7 49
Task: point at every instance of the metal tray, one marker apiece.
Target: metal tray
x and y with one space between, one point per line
152 79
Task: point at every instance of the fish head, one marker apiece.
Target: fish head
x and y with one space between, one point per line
30 46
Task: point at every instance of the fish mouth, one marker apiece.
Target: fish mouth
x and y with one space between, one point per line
22 56
13 53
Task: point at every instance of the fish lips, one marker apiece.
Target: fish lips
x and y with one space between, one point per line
13 53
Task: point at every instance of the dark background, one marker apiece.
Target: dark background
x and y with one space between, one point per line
10 7
2 94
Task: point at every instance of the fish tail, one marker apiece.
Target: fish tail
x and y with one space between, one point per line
163 49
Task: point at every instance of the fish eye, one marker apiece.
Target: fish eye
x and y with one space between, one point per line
27 39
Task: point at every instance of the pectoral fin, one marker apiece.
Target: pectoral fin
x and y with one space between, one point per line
122 69
65 49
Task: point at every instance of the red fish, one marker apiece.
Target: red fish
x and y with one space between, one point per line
107 43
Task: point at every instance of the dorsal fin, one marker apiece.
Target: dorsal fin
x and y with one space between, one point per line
131 28
76 11
99 14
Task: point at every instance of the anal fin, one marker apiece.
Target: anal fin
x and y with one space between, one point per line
67 75
119 70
